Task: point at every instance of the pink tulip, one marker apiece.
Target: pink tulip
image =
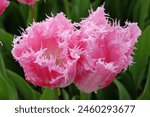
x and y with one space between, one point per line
3 5
46 52
28 2
108 50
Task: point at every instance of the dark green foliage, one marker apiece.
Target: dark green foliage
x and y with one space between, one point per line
133 83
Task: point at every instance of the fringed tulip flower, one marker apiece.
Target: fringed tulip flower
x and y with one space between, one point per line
28 2
108 50
3 5
46 54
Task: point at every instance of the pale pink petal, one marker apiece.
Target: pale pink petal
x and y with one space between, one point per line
92 80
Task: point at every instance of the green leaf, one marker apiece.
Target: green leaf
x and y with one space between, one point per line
123 93
24 9
13 19
3 89
2 67
7 92
133 8
22 86
49 7
75 97
139 10
126 78
6 39
117 10
80 9
65 94
50 94
96 3
146 93
7 83
108 93
32 16
141 57
67 8
144 13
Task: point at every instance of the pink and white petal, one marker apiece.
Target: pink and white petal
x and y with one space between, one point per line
90 81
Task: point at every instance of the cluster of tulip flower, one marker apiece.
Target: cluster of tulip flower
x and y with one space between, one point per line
56 52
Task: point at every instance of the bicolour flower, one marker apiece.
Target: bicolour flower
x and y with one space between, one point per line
47 53
3 5
28 2
108 50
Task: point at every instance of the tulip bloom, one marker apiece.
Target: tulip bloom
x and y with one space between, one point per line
3 5
28 2
46 54
54 53
108 50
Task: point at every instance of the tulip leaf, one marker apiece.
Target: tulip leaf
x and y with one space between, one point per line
24 88
3 89
67 8
6 39
13 19
79 6
7 92
75 97
65 94
140 12
3 71
49 7
118 9
2 67
128 82
132 11
144 13
6 84
146 93
123 93
24 9
96 3
141 57
108 93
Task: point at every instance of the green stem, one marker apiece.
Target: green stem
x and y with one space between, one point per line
50 94
67 9
32 13
85 96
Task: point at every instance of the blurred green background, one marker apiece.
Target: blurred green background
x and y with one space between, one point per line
134 83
